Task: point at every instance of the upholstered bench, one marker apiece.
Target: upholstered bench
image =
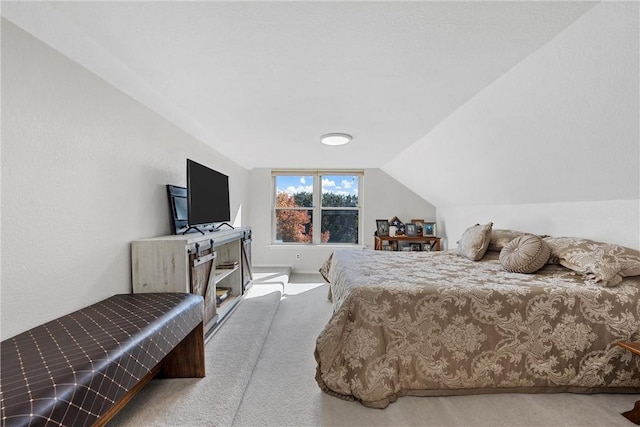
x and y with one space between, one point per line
80 369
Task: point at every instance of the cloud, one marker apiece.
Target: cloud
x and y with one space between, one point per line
299 189
328 183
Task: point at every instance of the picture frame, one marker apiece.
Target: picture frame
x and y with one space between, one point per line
400 226
382 227
419 225
410 229
429 229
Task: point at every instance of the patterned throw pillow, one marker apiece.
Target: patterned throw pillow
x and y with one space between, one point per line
475 241
500 238
606 263
525 254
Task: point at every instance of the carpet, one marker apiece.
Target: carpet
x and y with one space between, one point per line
283 392
277 336
231 355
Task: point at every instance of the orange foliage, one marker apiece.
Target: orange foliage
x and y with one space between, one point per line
291 223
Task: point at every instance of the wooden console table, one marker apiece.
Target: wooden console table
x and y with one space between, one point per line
393 242
634 414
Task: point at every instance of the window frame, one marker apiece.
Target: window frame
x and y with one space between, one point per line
317 208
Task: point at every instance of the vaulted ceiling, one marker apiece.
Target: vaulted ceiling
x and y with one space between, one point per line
261 81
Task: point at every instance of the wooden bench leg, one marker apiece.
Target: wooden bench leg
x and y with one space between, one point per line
107 416
187 360
634 414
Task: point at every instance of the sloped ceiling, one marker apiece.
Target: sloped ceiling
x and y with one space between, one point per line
561 126
261 81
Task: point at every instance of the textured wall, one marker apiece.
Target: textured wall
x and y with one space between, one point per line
561 127
84 169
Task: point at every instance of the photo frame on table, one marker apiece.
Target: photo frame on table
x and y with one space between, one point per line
429 229
410 229
382 227
419 225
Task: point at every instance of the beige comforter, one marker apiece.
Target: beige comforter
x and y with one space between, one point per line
435 323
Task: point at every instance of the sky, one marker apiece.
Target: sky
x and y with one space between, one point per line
339 184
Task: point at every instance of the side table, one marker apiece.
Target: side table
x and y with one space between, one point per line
634 414
432 241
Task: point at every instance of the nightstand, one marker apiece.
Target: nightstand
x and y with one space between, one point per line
634 414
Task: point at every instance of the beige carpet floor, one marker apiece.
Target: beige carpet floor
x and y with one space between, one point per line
280 389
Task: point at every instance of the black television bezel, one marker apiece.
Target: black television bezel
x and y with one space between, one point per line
224 190
175 192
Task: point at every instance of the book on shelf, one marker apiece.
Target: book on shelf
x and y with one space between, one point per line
222 294
228 264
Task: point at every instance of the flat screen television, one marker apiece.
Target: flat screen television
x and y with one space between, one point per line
207 197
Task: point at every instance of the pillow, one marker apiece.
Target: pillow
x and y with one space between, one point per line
525 254
474 241
606 263
500 238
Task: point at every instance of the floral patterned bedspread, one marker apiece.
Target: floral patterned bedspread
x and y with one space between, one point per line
436 323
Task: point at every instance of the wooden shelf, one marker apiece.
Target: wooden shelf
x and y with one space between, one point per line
221 273
433 240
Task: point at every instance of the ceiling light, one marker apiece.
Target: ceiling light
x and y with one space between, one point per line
335 139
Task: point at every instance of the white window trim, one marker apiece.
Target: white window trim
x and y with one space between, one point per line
316 208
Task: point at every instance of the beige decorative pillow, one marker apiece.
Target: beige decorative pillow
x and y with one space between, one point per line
606 263
500 238
474 241
525 254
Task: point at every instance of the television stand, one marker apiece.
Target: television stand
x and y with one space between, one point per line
218 270
211 230
193 227
217 228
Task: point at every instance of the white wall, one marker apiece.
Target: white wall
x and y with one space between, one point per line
553 144
615 221
84 169
383 198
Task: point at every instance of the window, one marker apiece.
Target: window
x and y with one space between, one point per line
317 207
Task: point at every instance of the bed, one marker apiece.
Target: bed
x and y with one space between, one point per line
440 323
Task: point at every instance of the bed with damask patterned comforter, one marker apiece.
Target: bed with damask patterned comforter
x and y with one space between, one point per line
437 323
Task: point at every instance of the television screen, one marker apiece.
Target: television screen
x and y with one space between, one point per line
207 195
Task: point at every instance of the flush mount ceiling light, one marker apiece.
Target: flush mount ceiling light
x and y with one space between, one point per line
335 139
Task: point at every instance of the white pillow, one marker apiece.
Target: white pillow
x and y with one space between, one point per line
475 241
525 254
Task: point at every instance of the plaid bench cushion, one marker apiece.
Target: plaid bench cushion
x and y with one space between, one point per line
74 369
